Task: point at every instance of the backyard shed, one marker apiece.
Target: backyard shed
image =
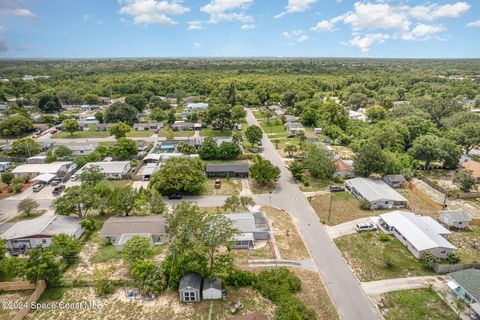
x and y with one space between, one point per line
212 289
190 286
456 218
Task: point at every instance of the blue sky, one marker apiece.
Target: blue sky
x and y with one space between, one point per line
239 28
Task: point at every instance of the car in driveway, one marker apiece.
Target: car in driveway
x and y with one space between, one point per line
38 187
336 189
365 226
58 189
53 131
74 177
175 196
55 181
291 135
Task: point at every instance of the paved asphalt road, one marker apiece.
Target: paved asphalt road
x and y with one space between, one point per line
344 288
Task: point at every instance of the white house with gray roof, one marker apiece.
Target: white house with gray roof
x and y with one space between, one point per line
113 170
418 233
458 219
35 233
378 194
251 227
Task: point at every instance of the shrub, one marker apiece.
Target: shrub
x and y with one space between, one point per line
337 180
453 258
383 237
428 259
293 308
104 287
239 278
364 204
277 283
18 187
10 189
388 262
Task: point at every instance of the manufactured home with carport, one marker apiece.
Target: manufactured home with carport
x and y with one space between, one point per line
378 194
418 233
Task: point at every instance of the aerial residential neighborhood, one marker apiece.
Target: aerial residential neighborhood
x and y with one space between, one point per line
221 159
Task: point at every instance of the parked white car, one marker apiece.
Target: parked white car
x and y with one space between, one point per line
366 226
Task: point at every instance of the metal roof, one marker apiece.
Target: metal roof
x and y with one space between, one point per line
192 280
374 190
117 226
241 167
44 225
421 231
469 280
44 177
212 284
53 167
107 166
456 215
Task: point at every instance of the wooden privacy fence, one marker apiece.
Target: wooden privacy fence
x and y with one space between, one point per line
16 286
41 286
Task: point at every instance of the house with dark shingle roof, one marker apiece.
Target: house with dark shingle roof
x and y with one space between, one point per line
227 170
465 284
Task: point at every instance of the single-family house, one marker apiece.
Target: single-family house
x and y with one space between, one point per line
294 127
190 287
279 113
290 118
118 230
4 166
357 115
148 170
38 232
82 149
37 160
465 284
251 227
152 158
103 126
58 168
227 170
113 170
474 167
418 233
344 169
458 219
395 180
105 100
378 194
201 106
182 125
212 289
145 126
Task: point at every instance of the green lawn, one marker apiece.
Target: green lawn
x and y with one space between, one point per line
261 189
272 127
315 184
139 134
228 187
163 133
208 132
368 257
81 134
463 240
420 304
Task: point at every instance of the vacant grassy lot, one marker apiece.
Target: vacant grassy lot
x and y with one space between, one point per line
372 259
208 132
421 304
315 184
81 134
260 189
272 127
420 203
288 240
229 187
314 294
464 241
163 133
140 134
166 306
345 207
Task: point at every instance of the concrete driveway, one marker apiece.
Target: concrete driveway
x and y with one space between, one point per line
347 228
377 288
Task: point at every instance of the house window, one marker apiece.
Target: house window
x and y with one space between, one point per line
386 202
44 241
189 296
443 251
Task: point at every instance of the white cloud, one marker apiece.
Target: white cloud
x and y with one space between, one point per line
364 43
297 35
324 25
228 10
87 17
247 27
195 25
435 11
371 21
146 12
16 8
295 6
196 45
474 24
422 32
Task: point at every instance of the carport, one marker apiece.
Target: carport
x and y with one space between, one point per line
44 178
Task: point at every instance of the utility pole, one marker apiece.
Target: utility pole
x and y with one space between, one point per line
330 207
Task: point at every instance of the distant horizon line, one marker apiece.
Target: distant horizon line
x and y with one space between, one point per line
221 58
